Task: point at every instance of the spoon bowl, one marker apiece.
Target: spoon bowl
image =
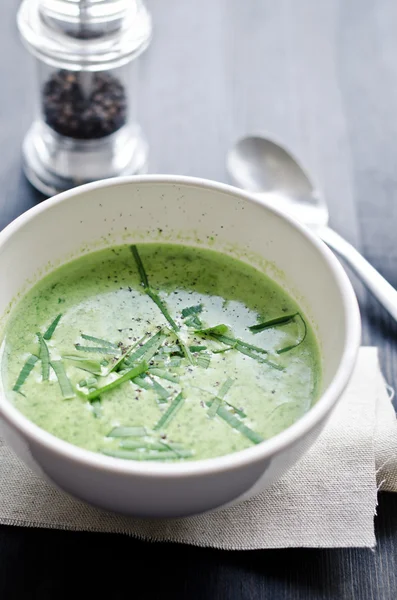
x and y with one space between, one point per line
266 168
269 170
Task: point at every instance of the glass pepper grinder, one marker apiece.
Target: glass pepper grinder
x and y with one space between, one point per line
85 126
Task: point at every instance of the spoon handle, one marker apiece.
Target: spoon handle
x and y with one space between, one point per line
381 289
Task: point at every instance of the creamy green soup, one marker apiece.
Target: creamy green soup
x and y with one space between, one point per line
160 352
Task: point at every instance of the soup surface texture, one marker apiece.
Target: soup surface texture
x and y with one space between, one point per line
160 352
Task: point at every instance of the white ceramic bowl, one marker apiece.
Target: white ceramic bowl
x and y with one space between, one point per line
204 213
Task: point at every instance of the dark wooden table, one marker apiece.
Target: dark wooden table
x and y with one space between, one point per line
322 76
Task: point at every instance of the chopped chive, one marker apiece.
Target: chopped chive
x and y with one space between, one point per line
135 444
163 374
222 350
217 330
303 337
131 455
141 268
125 356
175 362
134 372
192 310
236 342
193 322
157 300
170 413
238 411
225 387
235 422
159 446
97 408
142 382
197 348
217 402
162 393
99 341
94 349
179 452
272 323
203 360
91 381
25 372
44 357
178 449
91 366
171 350
146 350
259 359
152 294
185 350
122 432
218 333
213 409
50 331
63 380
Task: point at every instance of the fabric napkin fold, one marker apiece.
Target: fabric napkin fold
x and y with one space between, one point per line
327 500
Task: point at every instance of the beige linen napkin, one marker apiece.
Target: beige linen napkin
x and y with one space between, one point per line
327 500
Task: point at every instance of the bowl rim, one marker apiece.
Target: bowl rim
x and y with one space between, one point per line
229 462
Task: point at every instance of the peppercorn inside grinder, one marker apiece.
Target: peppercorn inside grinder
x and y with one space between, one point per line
85 125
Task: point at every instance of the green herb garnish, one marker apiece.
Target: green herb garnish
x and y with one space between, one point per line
131 455
272 323
237 424
44 357
161 392
284 320
63 380
94 349
197 348
25 372
225 387
170 413
135 444
221 333
159 446
299 342
97 408
163 374
145 350
193 322
91 381
50 331
130 374
91 366
142 382
141 268
237 411
122 432
99 341
151 293
190 314
217 401
203 360
174 362
192 310
157 300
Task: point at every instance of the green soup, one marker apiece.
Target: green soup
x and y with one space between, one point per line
160 352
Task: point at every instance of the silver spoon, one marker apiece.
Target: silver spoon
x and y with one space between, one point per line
267 169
